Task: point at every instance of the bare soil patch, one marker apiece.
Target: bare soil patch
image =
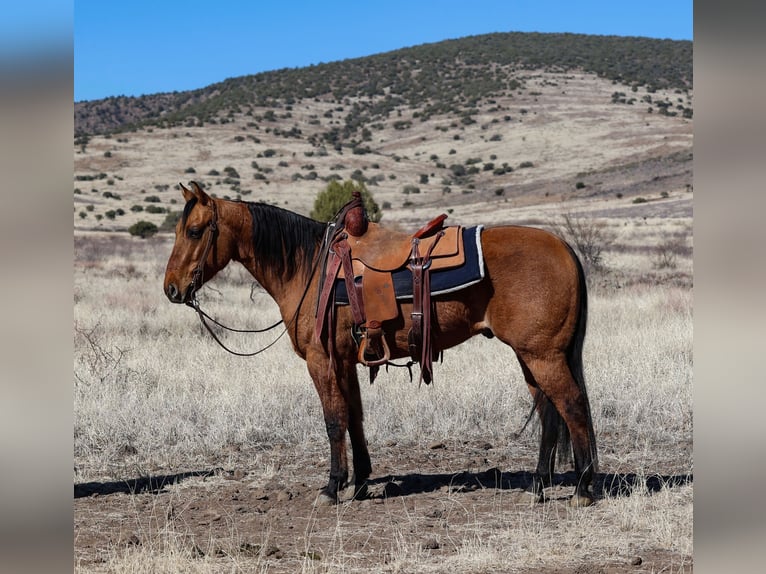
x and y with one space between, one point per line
428 504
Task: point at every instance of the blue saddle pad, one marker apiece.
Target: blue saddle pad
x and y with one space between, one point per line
442 280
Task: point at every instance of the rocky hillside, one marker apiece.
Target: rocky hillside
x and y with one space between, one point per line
477 126
445 77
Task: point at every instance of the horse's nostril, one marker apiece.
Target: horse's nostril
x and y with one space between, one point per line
172 292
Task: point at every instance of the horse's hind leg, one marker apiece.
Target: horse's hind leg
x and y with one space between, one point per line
551 424
555 379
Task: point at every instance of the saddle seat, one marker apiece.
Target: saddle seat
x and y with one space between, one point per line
379 252
365 257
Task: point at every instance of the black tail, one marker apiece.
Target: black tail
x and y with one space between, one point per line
574 354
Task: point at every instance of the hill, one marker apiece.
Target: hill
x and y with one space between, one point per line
444 77
477 125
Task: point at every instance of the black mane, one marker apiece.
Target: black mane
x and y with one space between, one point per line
283 240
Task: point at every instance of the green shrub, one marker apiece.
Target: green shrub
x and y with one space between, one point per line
329 201
143 229
457 169
169 224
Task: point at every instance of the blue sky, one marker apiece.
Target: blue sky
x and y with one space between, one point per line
141 47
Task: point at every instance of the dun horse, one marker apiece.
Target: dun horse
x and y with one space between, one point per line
532 297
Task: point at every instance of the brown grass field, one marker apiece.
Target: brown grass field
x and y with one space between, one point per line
188 459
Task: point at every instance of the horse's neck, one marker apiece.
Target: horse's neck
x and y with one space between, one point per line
284 292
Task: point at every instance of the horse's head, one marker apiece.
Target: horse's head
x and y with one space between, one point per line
198 252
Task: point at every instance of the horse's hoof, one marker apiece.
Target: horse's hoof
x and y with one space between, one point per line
580 500
325 499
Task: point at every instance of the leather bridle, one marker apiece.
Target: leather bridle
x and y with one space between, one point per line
193 302
197 275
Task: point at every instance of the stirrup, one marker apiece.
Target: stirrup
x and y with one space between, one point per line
375 327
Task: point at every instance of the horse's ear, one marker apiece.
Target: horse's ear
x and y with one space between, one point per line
202 197
187 193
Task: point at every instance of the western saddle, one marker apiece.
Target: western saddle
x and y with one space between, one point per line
365 256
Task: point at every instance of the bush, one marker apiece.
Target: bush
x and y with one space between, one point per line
588 237
457 170
329 201
171 219
143 229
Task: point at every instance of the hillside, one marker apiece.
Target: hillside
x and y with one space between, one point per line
477 126
450 76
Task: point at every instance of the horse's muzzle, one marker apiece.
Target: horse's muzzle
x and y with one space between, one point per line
176 295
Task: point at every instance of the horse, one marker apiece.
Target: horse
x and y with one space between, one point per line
532 297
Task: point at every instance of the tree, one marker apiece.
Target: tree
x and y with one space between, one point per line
337 194
143 229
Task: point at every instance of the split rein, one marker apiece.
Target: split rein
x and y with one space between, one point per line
197 284
194 304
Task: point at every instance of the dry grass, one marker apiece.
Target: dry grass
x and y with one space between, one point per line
154 395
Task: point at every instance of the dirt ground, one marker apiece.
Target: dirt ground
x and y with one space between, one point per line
257 511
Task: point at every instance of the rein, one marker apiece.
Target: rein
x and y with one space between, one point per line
194 304
197 284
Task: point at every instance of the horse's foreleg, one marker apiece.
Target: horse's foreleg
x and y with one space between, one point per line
362 465
336 417
336 425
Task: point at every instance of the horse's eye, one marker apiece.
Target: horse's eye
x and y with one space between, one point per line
194 232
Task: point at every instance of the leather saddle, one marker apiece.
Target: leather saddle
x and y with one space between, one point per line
365 255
